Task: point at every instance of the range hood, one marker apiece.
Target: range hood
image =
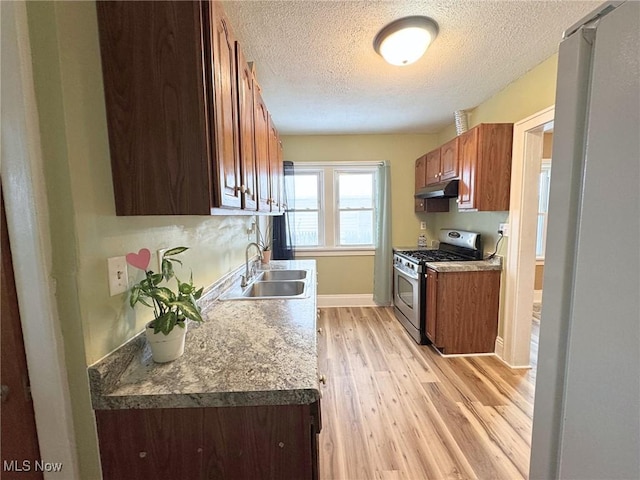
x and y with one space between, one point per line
439 190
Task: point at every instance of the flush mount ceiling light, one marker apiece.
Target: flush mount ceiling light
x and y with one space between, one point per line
405 40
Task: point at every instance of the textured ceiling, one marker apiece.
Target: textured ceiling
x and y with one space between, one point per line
320 75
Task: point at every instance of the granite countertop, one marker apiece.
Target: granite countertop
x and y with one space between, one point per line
472 266
247 352
494 263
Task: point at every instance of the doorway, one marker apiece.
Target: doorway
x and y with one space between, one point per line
23 187
528 146
19 435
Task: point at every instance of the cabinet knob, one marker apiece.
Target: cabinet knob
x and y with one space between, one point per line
243 189
323 379
457 200
320 331
248 191
435 176
5 393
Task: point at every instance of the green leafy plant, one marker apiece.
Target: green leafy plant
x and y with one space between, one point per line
264 241
170 308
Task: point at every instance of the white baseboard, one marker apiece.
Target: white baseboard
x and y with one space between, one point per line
354 300
537 296
513 367
500 355
499 346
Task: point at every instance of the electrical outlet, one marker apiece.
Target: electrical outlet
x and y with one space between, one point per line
118 277
160 254
504 228
423 225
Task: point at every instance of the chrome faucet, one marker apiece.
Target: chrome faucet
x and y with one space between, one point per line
248 273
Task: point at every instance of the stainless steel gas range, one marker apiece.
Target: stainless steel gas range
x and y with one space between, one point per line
410 276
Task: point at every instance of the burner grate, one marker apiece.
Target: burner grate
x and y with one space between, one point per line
434 256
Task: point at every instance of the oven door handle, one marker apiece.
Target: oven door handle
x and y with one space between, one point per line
405 274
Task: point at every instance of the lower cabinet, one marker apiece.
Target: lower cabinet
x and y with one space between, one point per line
462 310
262 442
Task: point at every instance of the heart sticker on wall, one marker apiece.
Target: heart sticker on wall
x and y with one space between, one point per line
139 260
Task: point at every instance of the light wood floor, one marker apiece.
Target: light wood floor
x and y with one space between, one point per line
392 409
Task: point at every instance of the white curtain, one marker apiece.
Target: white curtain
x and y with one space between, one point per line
382 268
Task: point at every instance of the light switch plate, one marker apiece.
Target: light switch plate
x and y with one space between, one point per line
118 276
423 225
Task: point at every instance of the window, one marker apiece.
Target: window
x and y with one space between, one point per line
543 207
354 200
306 208
333 206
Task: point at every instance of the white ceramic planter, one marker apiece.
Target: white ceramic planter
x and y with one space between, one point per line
166 348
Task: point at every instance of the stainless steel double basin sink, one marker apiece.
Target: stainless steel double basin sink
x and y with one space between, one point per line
272 284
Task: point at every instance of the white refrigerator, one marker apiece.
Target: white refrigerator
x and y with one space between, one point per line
586 422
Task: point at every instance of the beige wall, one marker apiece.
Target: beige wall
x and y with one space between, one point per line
547 149
534 91
530 94
547 145
354 274
537 284
527 95
84 228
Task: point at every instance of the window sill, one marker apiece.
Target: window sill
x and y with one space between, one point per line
540 261
334 252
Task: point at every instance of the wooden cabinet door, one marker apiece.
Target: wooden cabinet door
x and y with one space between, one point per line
493 167
449 160
248 186
316 427
467 155
18 433
468 311
281 197
420 181
433 171
274 167
259 442
261 125
432 306
158 105
227 187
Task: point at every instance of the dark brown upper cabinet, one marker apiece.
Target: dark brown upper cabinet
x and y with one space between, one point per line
248 168
485 167
420 178
261 124
276 169
432 167
442 163
428 205
170 84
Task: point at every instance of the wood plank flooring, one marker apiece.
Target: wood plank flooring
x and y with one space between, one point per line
392 409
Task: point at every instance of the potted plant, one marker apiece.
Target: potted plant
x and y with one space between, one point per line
264 242
171 308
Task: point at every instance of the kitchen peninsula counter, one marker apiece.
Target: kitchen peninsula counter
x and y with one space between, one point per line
245 353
